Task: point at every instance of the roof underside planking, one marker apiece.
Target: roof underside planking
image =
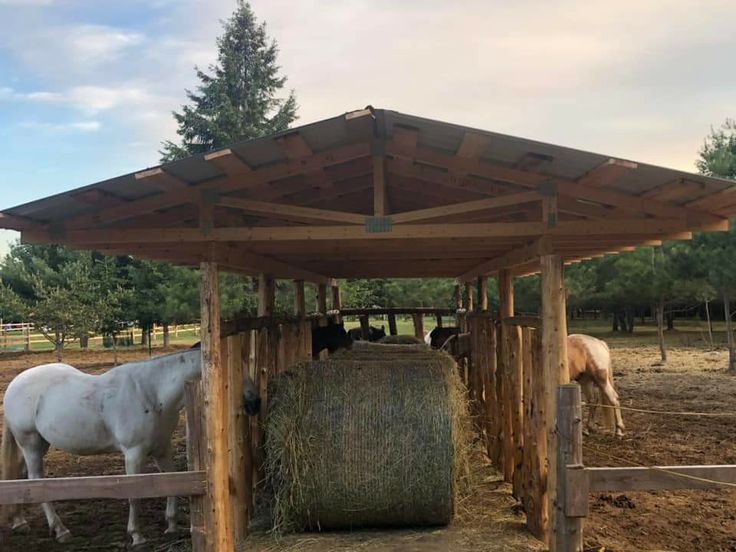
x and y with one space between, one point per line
376 193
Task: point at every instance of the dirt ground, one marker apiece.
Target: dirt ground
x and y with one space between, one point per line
488 520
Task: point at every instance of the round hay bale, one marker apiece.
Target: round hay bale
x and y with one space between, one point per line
401 340
355 443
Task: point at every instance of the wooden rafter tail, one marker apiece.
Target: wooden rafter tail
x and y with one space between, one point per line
162 180
228 162
14 222
607 173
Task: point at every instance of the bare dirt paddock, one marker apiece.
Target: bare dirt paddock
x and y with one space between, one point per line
487 520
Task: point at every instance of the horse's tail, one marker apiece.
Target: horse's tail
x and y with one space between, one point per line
609 414
11 467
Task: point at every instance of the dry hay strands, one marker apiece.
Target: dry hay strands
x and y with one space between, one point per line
363 350
367 443
401 340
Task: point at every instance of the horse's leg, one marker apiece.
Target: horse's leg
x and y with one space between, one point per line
134 459
612 397
165 463
34 448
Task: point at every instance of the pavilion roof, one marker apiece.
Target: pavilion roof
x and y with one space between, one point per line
377 193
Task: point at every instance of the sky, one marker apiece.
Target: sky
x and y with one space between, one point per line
87 87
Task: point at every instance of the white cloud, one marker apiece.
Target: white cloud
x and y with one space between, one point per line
96 44
75 126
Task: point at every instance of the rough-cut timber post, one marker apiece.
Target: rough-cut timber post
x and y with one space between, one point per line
220 536
418 325
196 461
555 373
239 436
458 297
266 295
336 301
300 304
322 299
439 320
392 329
469 296
516 373
482 293
506 309
365 327
569 532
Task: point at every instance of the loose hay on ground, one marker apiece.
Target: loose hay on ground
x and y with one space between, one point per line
353 442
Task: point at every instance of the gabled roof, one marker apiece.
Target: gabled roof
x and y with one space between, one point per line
376 193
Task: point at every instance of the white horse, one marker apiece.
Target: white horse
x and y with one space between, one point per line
133 408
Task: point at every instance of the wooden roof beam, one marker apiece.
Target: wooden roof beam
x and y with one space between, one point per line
228 162
520 256
162 180
465 207
290 212
236 257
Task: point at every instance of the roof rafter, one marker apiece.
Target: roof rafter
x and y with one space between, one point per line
465 207
520 256
290 212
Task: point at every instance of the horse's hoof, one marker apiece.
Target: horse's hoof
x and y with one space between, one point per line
138 541
64 536
173 530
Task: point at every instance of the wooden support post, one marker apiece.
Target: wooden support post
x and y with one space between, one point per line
196 461
365 329
418 325
439 320
214 384
240 492
392 325
300 305
468 296
458 297
506 308
28 338
482 293
266 295
322 299
336 301
491 398
568 532
516 379
555 373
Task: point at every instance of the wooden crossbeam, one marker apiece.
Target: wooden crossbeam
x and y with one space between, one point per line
465 207
607 173
522 255
290 212
236 257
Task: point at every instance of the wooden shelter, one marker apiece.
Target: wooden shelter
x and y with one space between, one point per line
376 193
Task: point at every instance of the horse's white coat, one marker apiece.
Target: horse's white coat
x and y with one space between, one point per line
595 370
133 408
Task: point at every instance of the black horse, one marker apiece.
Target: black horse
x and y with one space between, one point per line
331 337
439 336
374 334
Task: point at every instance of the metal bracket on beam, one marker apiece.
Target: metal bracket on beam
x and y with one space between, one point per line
377 225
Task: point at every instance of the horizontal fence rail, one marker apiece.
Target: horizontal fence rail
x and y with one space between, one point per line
150 485
399 310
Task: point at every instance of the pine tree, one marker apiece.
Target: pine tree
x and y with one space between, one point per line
238 98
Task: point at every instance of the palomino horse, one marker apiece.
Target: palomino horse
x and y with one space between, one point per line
133 408
589 363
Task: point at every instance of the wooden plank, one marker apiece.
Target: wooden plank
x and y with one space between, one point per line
657 478
196 460
568 531
516 380
162 180
214 382
149 485
233 257
228 162
473 145
555 373
290 212
398 310
465 207
513 258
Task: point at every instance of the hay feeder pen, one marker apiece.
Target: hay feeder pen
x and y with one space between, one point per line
376 193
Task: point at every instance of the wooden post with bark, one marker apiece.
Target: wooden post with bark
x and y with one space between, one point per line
569 530
729 332
220 535
506 309
300 304
392 329
418 325
322 299
365 327
482 293
336 301
196 461
554 368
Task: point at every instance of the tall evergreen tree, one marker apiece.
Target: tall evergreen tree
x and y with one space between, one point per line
238 99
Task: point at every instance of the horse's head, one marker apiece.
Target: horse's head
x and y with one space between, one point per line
376 334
